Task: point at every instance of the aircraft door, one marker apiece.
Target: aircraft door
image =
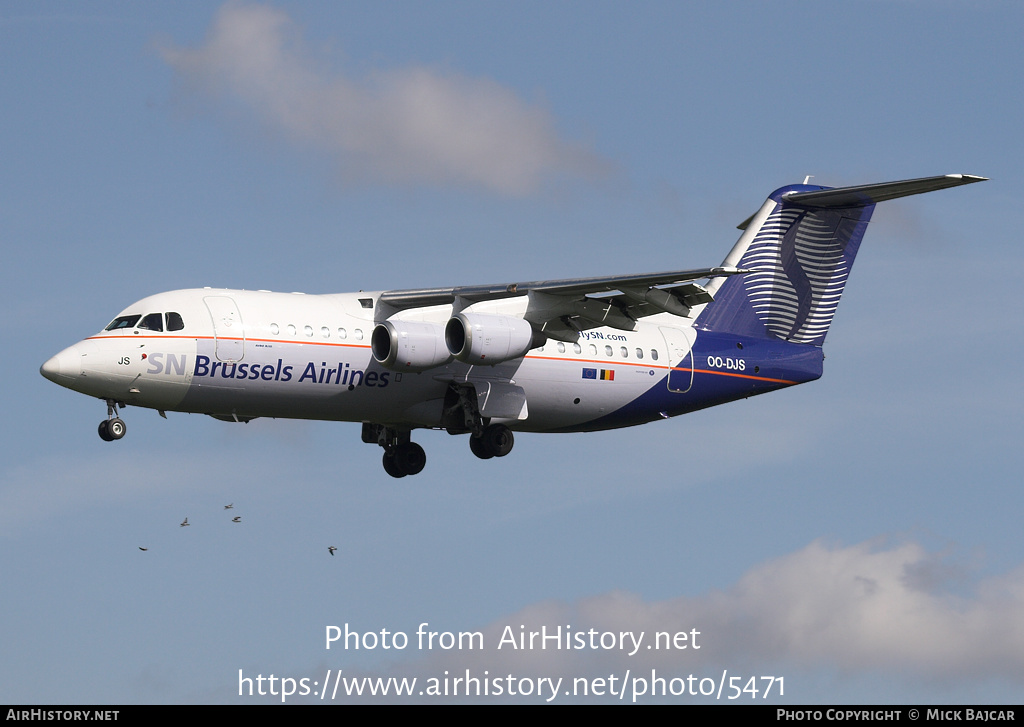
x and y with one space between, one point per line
680 354
228 334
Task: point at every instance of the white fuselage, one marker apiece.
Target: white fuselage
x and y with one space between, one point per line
245 354
577 354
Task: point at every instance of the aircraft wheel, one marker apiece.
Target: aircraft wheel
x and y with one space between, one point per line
391 465
116 428
479 447
411 458
498 439
104 430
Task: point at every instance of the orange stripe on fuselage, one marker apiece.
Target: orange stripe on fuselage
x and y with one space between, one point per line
637 364
150 337
600 362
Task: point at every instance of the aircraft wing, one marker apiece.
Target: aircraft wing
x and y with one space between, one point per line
563 308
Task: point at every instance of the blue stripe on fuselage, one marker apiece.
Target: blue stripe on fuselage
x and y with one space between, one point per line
725 368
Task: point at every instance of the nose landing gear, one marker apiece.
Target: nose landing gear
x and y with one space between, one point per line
112 428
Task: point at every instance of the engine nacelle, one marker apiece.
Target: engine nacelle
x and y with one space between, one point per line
484 340
409 345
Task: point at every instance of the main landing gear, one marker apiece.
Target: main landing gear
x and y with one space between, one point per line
495 440
113 427
460 415
404 457
401 456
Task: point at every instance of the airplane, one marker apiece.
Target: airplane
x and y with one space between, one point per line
573 355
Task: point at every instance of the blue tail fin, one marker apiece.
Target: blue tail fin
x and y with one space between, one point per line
799 248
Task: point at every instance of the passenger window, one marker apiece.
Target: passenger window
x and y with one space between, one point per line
122 322
561 347
654 354
152 322
325 332
639 353
593 349
291 329
359 334
308 331
275 329
577 348
174 322
624 351
342 334
607 350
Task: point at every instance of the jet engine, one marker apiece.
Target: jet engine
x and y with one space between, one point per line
409 345
486 340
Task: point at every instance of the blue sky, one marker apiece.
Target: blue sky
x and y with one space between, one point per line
858 536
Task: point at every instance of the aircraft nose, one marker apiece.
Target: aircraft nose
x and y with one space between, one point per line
65 365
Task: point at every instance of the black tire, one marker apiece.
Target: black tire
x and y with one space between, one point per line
479 447
104 431
391 465
411 458
116 428
498 439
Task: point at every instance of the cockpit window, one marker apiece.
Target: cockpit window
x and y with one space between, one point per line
152 322
122 322
174 322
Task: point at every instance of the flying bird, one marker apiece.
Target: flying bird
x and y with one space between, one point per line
228 507
141 548
331 548
236 519
184 523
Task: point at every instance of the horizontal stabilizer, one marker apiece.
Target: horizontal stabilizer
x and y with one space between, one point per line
872 193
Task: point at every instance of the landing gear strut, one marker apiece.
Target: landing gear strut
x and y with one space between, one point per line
112 428
461 414
401 456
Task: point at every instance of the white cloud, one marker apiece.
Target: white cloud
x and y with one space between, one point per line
872 608
413 125
856 607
